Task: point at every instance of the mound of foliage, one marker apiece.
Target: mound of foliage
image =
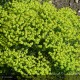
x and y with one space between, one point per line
38 39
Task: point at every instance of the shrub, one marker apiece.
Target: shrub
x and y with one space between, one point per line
38 39
2 2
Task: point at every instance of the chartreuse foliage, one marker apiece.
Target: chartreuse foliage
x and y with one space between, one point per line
38 39
2 2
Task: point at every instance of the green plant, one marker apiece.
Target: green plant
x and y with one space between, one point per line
2 2
38 39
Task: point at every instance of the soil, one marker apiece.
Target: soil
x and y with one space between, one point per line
68 3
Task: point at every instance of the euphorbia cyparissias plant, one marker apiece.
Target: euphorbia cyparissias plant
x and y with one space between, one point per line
38 39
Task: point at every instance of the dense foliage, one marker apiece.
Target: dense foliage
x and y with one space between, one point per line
38 39
2 2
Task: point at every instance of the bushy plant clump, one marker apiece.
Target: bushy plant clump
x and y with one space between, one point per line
2 2
38 39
